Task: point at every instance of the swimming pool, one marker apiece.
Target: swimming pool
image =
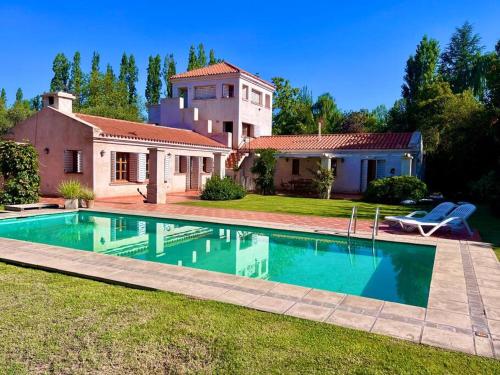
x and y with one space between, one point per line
388 271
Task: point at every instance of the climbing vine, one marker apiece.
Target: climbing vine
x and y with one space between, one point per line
19 172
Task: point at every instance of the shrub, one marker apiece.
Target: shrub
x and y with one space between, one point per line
395 189
323 181
19 169
487 190
263 167
70 189
222 189
86 194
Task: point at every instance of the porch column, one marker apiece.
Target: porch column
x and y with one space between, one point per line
157 189
219 165
406 161
326 161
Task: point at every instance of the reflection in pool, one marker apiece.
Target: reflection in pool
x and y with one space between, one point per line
389 271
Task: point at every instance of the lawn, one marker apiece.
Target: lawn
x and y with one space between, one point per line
51 323
303 206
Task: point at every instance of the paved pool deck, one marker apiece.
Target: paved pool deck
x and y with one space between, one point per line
463 312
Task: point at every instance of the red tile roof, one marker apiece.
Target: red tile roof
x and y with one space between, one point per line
351 141
216 69
137 130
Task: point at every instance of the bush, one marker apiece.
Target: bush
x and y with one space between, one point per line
70 189
19 169
263 167
323 182
86 194
487 190
395 189
222 189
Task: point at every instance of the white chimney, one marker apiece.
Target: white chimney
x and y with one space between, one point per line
62 101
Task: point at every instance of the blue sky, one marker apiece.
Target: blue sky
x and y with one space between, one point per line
357 52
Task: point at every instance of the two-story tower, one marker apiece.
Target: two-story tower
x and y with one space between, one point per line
220 101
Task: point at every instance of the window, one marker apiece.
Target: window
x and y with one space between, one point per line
180 164
147 166
334 167
227 91
244 92
204 92
207 165
268 101
227 126
295 167
73 161
51 100
256 97
122 165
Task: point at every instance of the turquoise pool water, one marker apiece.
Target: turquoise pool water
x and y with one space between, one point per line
389 271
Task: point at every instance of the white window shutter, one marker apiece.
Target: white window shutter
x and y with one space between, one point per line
141 167
79 162
68 161
381 168
364 175
166 176
210 165
113 165
177 163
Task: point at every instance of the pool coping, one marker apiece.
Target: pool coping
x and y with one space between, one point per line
463 313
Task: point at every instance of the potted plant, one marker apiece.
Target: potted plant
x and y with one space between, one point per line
87 196
70 190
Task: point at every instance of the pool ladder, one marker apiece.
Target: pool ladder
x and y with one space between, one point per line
353 221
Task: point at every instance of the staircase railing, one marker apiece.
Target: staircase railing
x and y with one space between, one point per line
353 221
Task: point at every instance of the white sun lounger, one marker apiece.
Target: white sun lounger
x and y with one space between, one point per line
455 219
437 213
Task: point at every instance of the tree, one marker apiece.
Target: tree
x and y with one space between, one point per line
493 78
264 166
153 83
212 60
132 78
168 71
123 68
3 99
292 109
94 86
36 103
358 122
76 81
420 69
202 57
192 59
381 114
326 112
60 67
20 110
4 121
461 61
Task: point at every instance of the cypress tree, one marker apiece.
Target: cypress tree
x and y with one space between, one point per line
212 60
60 67
3 99
153 83
202 56
192 59
169 70
76 80
123 68
94 88
133 77
19 95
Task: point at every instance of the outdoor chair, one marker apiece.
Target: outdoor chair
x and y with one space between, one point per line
437 213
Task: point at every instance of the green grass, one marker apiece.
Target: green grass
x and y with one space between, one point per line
488 226
303 206
51 323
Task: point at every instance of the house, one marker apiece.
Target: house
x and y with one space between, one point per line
355 159
116 157
215 123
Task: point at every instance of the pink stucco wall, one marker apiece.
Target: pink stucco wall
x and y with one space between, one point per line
52 132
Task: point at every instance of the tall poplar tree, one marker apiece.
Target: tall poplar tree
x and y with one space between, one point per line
192 59
76 81
212 59
123 68
168 71
420 69
3 99
94 88
132 78
202 56
60 67
153 83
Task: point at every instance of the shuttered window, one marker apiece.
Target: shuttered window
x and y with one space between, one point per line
208 165
204 92
142 167
256 97
73 161
227 91
268 101
180 164
244 92
380 169
122 165
166 177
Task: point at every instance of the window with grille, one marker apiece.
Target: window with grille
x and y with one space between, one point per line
180 164
73 161
227 91
122 166
244 92
268 101
204 92
207 165
256 97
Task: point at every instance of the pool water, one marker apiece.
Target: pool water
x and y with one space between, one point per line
388 270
